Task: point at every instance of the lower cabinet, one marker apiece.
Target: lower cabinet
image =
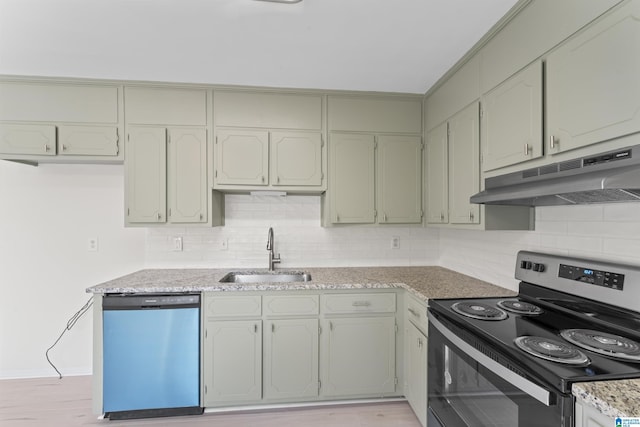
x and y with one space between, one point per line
588 416
359 356
291 359
264 348
416 372
233 362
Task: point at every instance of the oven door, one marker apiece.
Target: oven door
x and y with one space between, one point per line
467 388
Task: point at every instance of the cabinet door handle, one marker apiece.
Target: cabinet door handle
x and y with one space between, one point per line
273 327
552 142
384 217
263 179
64 147
255 328
278 180
361 304
159 216
46 147
526 149
470 216
412 311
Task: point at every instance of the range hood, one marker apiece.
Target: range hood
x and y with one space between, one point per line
609 177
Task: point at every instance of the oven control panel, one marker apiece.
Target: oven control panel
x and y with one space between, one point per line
591 276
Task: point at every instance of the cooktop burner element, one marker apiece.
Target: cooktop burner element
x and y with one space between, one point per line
555 351
478 310
519 307
603 343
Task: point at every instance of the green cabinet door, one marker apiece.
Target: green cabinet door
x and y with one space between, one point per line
399 179
352 177
437 181
187 175
28 139
88 140
464 165
296 159
416 372
512 120
242 157
232 368
291 359
146 174
358 356
593 90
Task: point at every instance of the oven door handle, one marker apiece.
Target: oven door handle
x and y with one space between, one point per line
539 393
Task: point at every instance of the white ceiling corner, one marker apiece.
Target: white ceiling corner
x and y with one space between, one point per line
372 45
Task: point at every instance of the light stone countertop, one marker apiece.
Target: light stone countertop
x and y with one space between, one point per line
424 282
611 398
620 398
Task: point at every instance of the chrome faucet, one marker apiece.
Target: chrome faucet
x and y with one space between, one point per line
272 259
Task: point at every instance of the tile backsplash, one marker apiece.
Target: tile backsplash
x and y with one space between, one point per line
299 238
608 231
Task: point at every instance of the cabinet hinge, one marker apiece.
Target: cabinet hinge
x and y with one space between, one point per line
319 385
205 333
321 140
395 327
128 211
421 214
481 112
395 381
205 389
216 173
375 214
319 330
128 137
169 212
216 139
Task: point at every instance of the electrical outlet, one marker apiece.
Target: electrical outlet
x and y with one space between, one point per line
92 244
224 245
395 242
177 244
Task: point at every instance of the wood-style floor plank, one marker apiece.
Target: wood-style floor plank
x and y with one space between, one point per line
52 402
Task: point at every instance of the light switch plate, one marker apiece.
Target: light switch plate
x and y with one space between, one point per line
177 244
395 242
92 244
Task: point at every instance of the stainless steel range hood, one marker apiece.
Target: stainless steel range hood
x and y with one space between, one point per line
609 177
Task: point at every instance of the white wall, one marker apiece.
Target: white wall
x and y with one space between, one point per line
47 214
299 238
608 232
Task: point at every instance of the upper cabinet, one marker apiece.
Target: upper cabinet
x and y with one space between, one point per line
375 151
269 140
166 165
593 89
512 120
60 122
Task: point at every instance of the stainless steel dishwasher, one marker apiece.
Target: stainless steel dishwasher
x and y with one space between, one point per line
151 355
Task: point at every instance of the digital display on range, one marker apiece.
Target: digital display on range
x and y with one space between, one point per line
592 277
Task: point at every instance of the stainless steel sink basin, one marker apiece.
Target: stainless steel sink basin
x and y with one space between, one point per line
262 277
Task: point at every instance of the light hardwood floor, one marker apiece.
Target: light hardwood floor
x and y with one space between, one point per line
51 402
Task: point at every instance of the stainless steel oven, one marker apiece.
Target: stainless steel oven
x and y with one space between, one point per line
511 361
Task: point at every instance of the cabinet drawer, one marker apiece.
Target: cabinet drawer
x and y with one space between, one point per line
232 306
359 303
417 313
291 305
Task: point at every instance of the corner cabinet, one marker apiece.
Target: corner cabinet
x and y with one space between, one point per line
453 174
60 122
593 93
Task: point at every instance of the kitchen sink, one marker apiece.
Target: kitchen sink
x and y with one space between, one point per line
264 277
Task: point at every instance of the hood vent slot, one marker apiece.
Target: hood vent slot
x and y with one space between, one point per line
605 178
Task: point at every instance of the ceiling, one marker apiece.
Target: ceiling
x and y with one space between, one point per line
371 45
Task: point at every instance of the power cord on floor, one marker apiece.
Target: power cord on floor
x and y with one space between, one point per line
70 324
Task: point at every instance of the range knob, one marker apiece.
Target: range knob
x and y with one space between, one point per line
538 267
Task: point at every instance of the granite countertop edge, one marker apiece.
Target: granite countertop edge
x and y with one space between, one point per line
611 398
